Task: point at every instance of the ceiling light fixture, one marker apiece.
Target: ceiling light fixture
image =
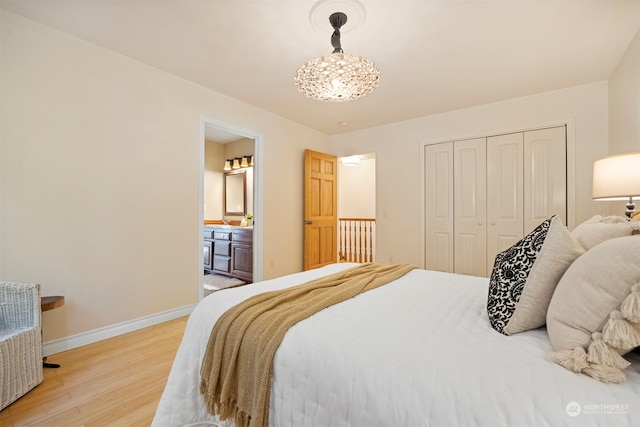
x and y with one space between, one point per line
350 161
338 76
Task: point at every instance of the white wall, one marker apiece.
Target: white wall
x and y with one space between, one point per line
399 158
100 178
1 134
356 190
624 101
624 108
213 180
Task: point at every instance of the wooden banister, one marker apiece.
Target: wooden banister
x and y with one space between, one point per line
356 239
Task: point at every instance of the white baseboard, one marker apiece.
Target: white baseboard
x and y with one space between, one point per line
89 337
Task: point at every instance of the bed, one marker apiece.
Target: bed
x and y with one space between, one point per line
419 351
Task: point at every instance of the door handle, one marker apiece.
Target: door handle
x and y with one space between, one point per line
308 222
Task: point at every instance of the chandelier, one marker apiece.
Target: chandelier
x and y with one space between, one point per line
338 76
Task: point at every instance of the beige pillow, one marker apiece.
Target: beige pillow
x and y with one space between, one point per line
600 228
588 305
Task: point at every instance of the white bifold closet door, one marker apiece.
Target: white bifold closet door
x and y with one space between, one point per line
505 196
439 206
545 176
482 195
470 206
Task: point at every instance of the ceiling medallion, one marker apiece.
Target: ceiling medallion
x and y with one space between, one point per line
338 76
323 8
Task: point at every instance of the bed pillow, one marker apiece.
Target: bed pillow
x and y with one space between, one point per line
525 275
594 314
600 228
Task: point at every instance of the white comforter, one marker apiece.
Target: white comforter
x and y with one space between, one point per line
416 352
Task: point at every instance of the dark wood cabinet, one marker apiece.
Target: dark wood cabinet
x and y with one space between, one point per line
229 251
242 261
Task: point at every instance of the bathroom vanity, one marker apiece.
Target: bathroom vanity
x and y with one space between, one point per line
228 250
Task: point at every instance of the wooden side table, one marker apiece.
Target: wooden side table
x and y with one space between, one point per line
46 304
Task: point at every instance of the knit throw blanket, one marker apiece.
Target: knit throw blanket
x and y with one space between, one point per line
236 369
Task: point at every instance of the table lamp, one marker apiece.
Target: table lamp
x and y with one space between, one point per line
617 178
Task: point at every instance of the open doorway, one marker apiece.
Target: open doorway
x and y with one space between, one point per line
357 208
230 191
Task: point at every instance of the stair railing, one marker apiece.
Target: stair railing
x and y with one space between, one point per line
356 239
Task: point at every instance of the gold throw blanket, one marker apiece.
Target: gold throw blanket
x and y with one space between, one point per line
236 369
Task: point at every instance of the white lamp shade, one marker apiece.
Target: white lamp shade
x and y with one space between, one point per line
616 177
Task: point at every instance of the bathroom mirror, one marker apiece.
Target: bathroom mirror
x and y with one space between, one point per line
235 193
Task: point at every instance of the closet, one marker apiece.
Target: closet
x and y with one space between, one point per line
484 194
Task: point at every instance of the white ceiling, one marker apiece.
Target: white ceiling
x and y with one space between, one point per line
219 135
434 56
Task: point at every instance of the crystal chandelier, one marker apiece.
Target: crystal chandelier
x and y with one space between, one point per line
338 76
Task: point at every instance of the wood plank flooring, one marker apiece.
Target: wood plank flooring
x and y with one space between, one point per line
115 382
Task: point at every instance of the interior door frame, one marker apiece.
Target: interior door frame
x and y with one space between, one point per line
257 194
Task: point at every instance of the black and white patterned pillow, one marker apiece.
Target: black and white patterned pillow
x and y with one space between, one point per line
524 277
509 276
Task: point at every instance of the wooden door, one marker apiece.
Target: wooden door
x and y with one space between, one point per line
439 206
470 211
505 198
320 209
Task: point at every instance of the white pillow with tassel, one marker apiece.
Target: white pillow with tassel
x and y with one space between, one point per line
601 228
594 314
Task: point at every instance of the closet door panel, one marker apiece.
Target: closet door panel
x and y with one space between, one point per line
482 195
545 176
470 245
439 207
505 202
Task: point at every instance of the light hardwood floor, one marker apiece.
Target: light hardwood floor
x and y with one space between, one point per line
115 382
